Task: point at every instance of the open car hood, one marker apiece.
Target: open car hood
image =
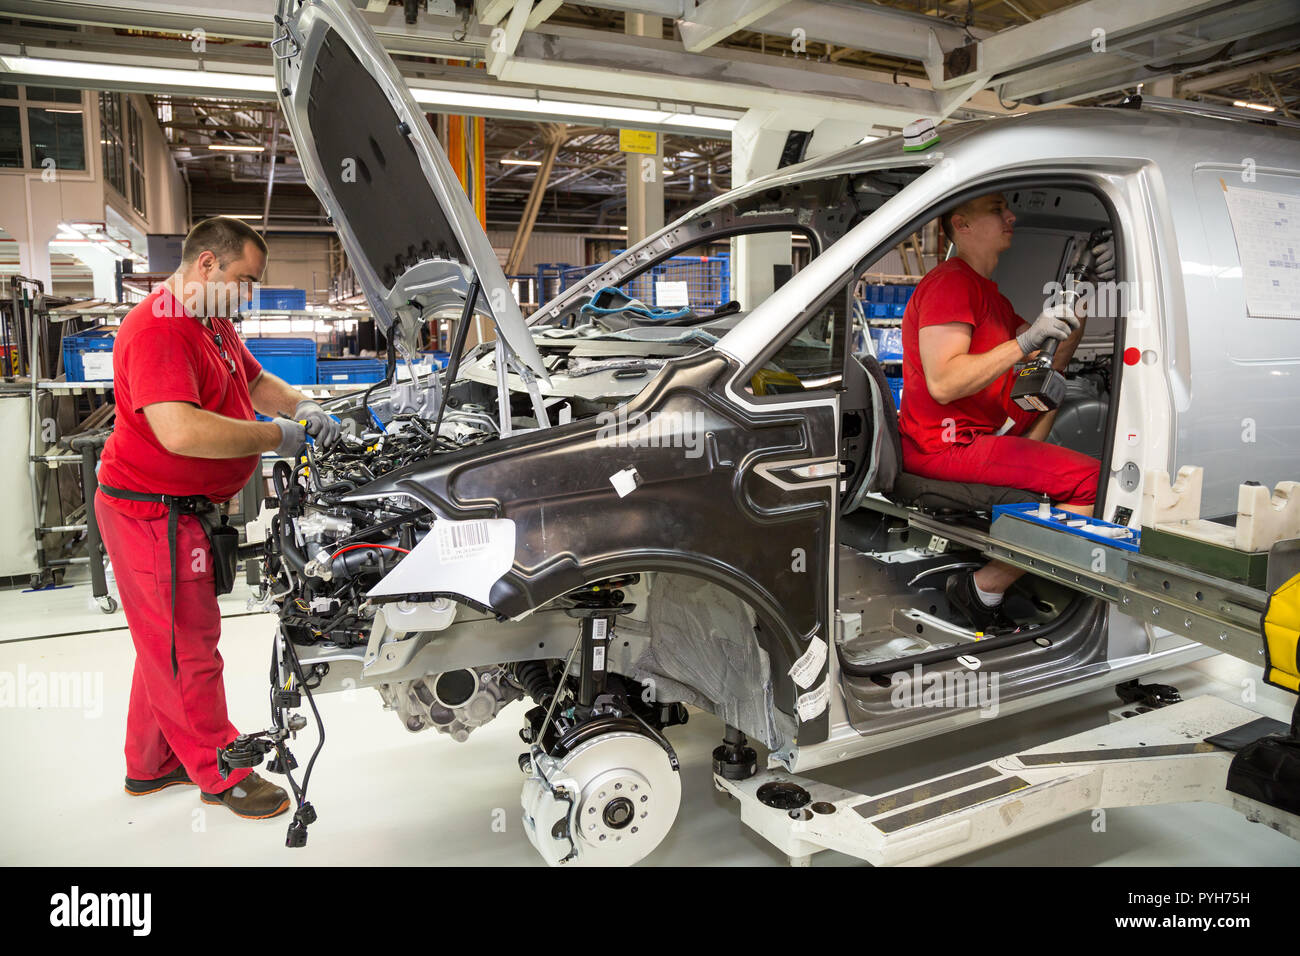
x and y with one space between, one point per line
367 151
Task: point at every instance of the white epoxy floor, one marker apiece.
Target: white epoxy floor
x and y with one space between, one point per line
386 796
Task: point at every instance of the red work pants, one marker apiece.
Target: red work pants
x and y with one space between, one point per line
181 719
1066 476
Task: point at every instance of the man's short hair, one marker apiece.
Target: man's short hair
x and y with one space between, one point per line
224 237
945 221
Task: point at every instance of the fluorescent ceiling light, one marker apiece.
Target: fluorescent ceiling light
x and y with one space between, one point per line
1262 107
147 75
50 109
520 162
448 99
230 148
162 77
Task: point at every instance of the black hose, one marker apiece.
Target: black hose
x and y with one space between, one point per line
290 550
536 680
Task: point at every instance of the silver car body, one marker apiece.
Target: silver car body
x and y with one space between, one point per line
1206 373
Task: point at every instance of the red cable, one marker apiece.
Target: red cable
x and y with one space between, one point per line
354 547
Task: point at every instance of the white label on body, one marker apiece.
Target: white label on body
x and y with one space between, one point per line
459 540
811 704
809 665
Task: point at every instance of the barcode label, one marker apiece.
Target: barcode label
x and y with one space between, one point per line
807 668
600 629
458 540
811 704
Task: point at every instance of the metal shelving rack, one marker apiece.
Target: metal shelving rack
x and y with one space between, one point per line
31 321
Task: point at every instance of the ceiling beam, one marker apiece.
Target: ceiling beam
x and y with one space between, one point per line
714 20
503 43
1237 74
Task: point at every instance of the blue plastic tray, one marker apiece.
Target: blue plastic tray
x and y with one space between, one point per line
1028 511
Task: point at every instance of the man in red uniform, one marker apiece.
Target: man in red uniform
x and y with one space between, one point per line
186 388
961 341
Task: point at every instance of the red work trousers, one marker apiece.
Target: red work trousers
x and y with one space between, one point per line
1066 476
181 719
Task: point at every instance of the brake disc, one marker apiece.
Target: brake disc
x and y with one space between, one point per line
610 801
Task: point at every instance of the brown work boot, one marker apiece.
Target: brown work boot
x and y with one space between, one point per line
253 798
138 788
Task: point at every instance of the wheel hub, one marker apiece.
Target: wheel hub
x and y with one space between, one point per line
618 798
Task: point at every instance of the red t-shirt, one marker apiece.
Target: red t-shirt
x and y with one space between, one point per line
164 354
954 292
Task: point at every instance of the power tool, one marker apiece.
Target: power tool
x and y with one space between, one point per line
1038 386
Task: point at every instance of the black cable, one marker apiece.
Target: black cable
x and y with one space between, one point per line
388 373
320 725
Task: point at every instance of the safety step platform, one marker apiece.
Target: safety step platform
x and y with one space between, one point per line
1159 757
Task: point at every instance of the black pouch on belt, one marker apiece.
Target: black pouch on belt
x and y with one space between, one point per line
225 554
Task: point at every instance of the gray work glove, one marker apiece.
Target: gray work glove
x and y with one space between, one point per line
320 425
1103 267
1056 322
292 437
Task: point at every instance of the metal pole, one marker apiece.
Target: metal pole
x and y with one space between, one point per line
89 446
270 175
34 366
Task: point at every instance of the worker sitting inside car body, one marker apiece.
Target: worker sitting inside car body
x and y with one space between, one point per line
184 440
961 342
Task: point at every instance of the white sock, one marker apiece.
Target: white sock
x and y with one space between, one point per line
987 598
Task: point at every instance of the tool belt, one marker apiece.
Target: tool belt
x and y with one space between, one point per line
223 539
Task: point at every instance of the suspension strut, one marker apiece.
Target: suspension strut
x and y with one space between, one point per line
597 607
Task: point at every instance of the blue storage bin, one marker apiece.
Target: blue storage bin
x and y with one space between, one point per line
293 360
286 299
350 371
896 386
890 347
897 309
75 346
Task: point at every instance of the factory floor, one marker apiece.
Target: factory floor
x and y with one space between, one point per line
386 796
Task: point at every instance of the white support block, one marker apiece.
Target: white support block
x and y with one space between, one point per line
1163 502
1263 519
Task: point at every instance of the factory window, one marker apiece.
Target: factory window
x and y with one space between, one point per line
40 126
58 135
136 131
46 94
11 136
111 140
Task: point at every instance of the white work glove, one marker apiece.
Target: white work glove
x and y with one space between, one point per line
292 437
320 425
1103 267
1056 322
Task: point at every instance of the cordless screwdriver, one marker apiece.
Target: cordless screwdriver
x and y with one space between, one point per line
1038 386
